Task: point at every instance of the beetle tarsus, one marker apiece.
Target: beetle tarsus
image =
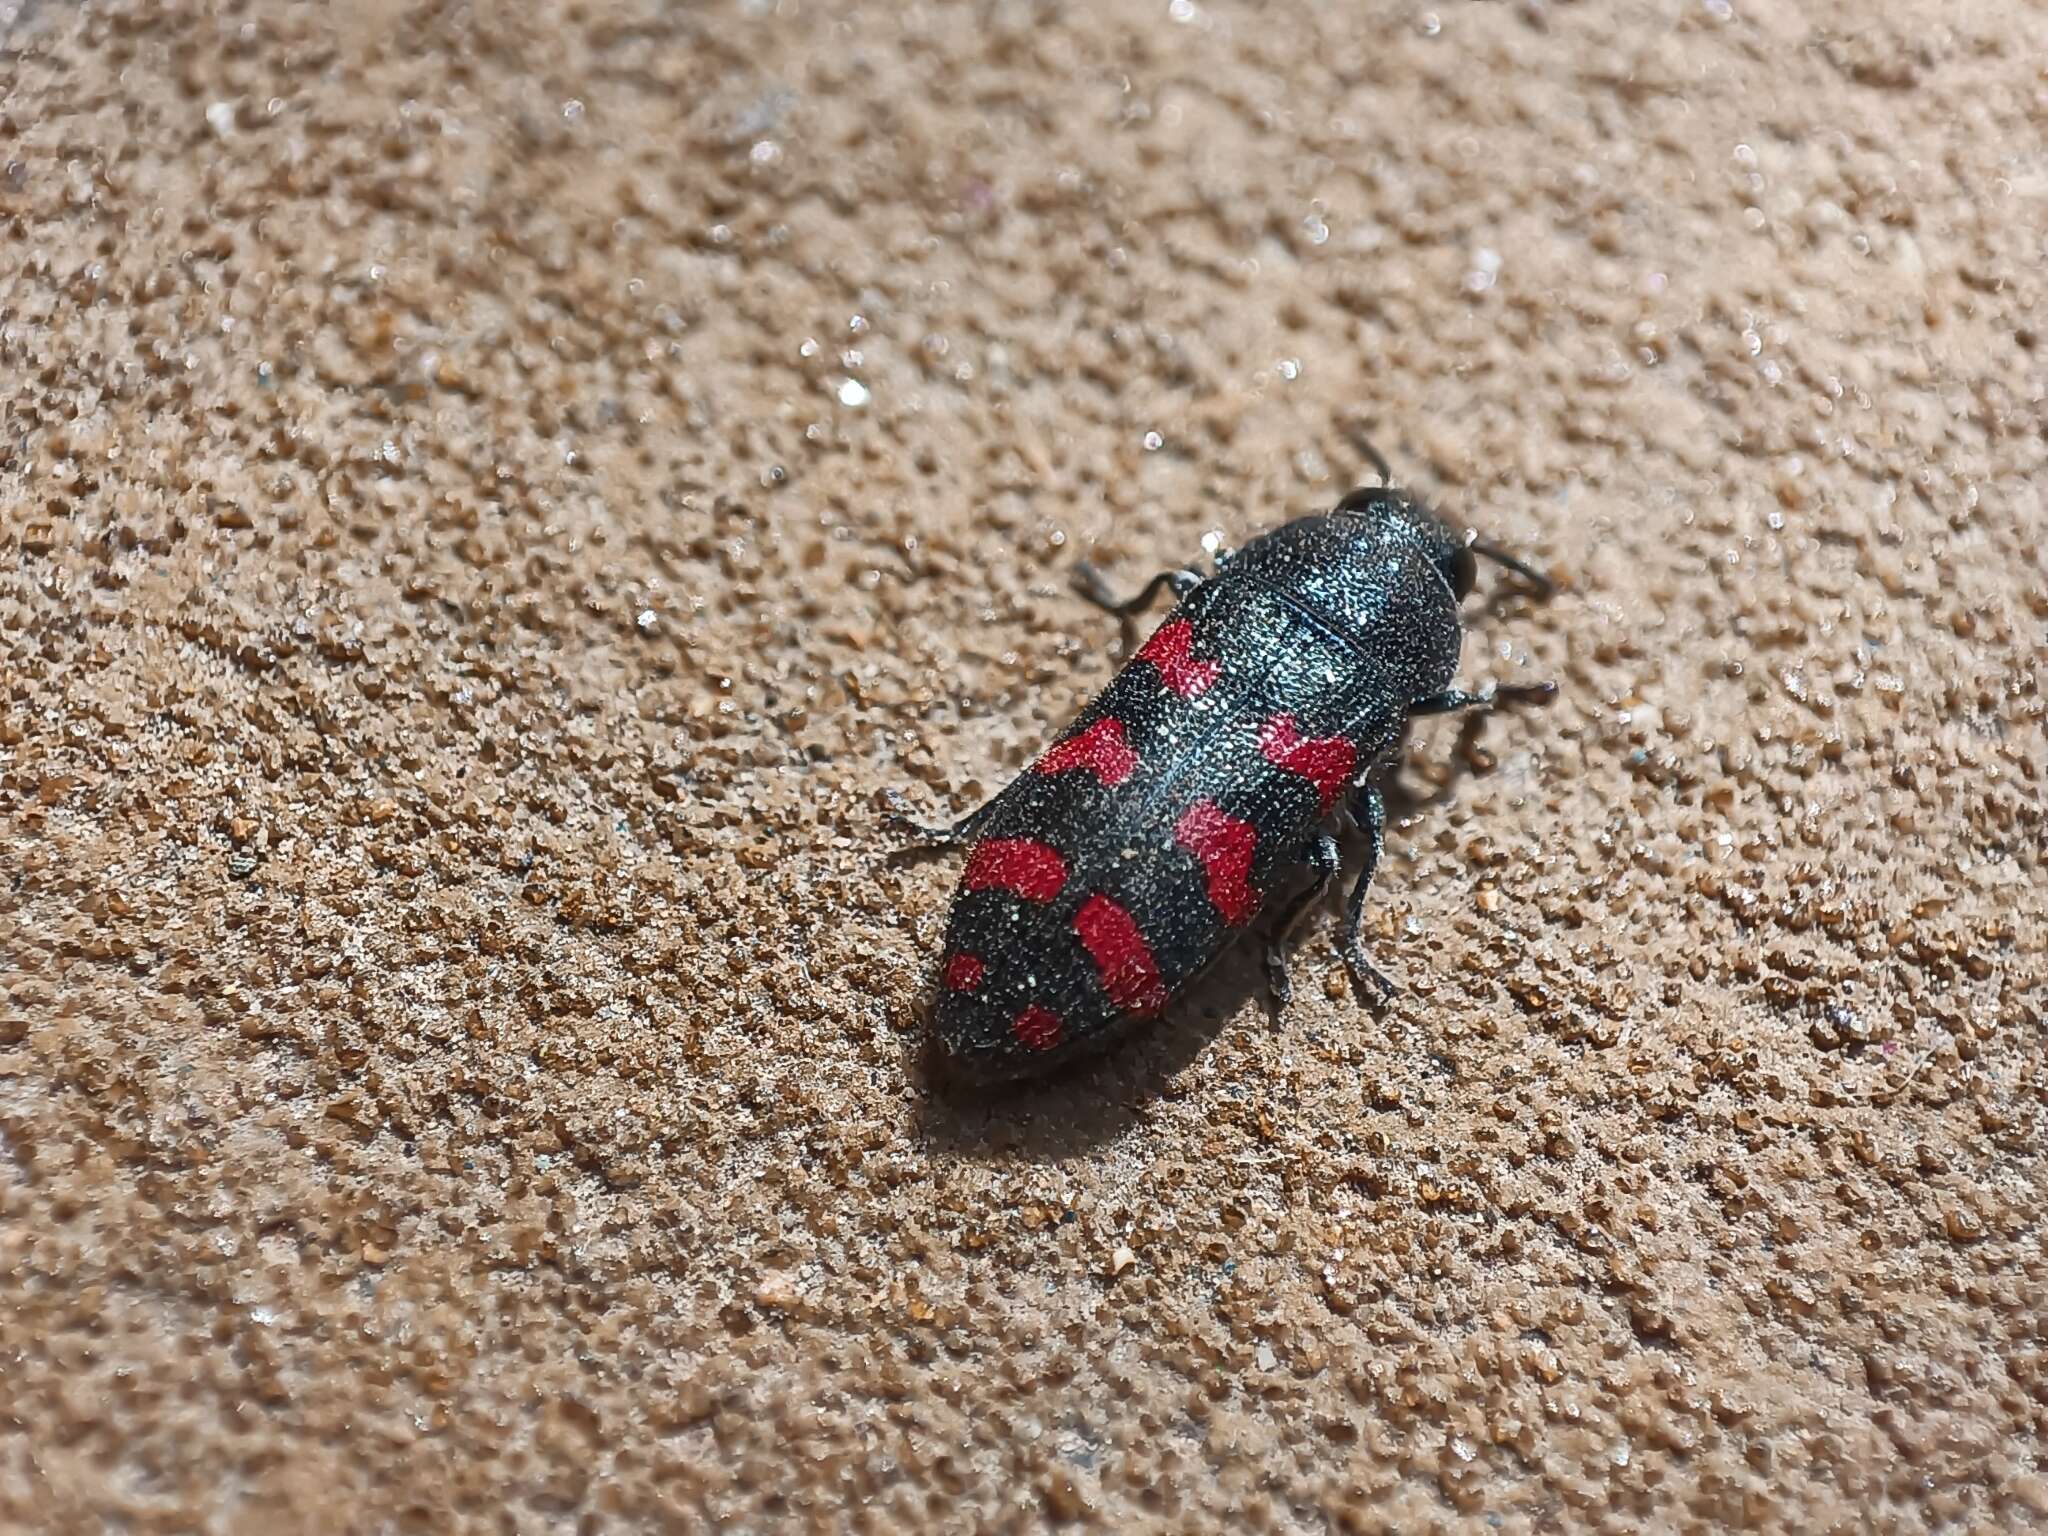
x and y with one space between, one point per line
918 835
1368 977
1279 988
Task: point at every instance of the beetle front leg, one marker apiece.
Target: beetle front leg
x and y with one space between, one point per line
1453 699
1320 855
1371 812
1095 588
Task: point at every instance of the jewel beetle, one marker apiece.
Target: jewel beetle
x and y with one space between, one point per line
1204 776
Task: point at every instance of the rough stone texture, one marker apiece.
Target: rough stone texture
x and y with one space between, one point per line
494 496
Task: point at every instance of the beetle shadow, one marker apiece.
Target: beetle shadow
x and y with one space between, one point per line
1407 796
1094 1100
1507 602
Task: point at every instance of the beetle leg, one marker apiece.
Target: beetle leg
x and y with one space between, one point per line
917 834
1093 587
1321 856
1454 699
1371 813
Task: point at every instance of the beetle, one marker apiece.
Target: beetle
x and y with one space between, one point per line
1207 772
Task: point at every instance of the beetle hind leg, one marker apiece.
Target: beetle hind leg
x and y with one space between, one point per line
918 835
1321 856
1371 811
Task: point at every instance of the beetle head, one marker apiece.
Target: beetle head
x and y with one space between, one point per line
1389 511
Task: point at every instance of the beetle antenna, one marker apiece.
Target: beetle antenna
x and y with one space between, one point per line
1375 458
1371 455
1354 433
1542 583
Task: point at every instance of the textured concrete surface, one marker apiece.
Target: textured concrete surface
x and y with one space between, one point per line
493 496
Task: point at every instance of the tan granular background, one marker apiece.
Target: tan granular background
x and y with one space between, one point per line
494 497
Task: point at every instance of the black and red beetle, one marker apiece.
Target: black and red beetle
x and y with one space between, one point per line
1110 873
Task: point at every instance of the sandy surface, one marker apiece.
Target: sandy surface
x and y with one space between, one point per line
493 496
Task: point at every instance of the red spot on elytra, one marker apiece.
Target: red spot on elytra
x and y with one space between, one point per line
1325 761
1020 865
1129 973
1172 651
1036 1028
1101 748
964 973
1224 845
